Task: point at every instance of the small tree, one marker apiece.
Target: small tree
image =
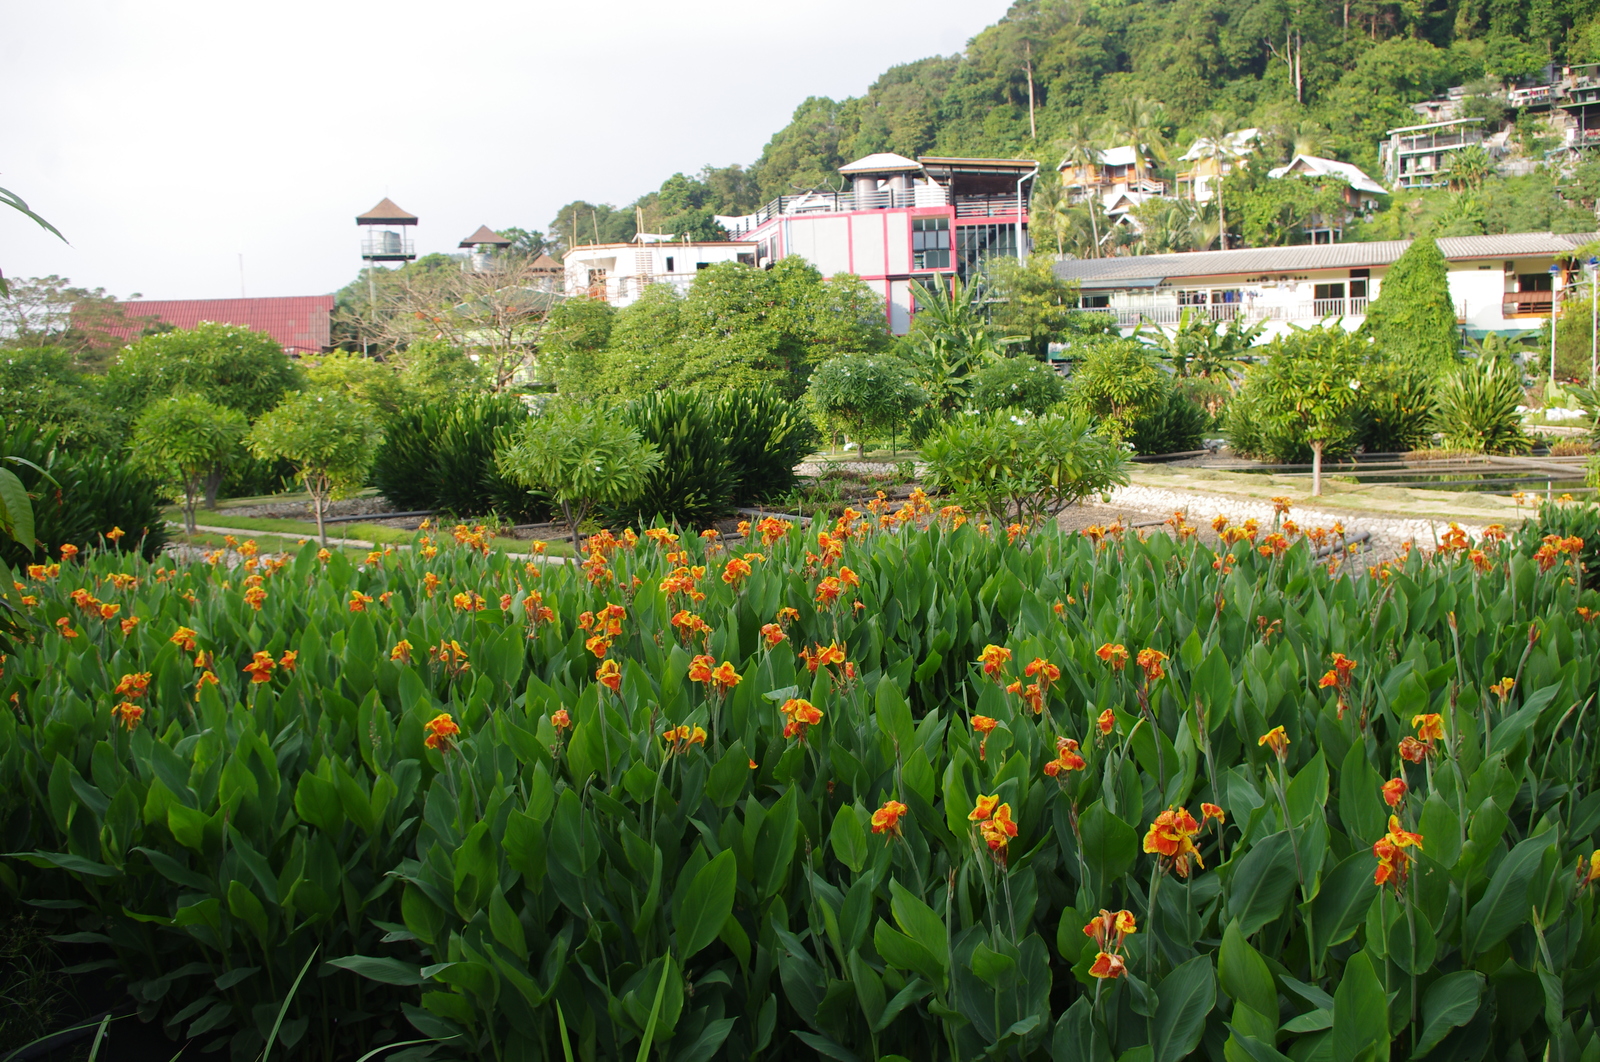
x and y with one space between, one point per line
329 437
865 392
186 438
1018 383
1115 384
582 456
1309 387
1413 318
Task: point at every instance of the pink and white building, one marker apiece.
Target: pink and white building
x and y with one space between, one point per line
901 221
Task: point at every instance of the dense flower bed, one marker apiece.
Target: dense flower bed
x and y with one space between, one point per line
906 786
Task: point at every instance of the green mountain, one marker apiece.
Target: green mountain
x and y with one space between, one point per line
1325 76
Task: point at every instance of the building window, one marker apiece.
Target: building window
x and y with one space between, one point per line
669 263
1534 282
930 243
1192 298
1094 302
702 265
976 244
1328 291
1358 283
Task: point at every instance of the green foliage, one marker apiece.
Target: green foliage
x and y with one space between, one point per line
1115 384
579 456
1413 319
43 385
575 340
521 880
865 393
1022 470
223 364
1275 212
433 370
1175 425
1029 300
1476 407
79 496
694 481
1310 383
329 437
441 455
1574 338
766 437
1567 521
1396 410
182 440
366 379
1199 346
1021 383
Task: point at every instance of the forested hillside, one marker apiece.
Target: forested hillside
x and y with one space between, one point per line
1324 76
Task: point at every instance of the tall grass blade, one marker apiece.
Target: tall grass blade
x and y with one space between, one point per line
655 1009
561 1022
99 1035
273 1036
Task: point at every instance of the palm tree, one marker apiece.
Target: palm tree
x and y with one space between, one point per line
1216 144
1081 151
1468 167
1141 123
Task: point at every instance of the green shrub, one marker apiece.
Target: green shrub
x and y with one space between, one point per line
442 456
865 394
1115 384
1477 408
766 436
1176 425
1017 383
1396 410
695 480
1022 470
92 493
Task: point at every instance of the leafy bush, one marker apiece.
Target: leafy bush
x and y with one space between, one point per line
1177 424
766 436
1477 408
184 439
1115 384
695 480
92 494
1396 410
442 456
481 845
329 436
1022 470
866 394
1017 383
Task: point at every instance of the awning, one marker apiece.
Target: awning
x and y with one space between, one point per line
1120 283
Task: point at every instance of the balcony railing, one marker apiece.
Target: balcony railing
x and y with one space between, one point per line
923 195
383 245
1521 303
1167 314
987 206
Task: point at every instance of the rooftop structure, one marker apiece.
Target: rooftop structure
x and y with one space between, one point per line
300 323
383 233
1499 283
619 273
1418 156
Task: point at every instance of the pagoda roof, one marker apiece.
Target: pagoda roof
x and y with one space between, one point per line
386 212
485 235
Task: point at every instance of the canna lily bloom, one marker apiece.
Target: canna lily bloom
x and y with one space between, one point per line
1107 721
801 715
466 601
1588 870
1044 668
451 655
983 725
68 551
1394 791
256 595
773 635
1588 615
133 685
848 577
1430 726
984 808
735 571
997 832
598 645
1115 655
1394 862
441 730
724 677
700 668
887 818
207 678
107 611
561 720
1109 929
289 660
1412 750
128 625
1277 741
1503 688
828 591
360 601
401 651
1108 966
1150 660
260 667
994 659
1339 676
681 739
128 714
430 582
823 656
1171 840
1067 759
1212 811
115 534
609 675
787 615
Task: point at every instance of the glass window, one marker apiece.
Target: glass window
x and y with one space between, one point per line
1192 298
1328 291
977 243
930 243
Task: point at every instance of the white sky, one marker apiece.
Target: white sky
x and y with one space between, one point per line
166 137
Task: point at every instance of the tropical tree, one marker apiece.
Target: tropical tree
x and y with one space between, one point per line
1080 148
1116 383
1476 407
225 364
1141 123
185 439
950 339
330 438
1469 167
865 393
1200 346
1413 318
581 456
1309 386
1216 145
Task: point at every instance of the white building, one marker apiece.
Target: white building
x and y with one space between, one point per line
1206 167
1501 284
618 273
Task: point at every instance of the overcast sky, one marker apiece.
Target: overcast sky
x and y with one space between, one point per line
166 137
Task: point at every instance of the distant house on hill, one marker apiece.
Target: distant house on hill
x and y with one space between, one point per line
301 324
1116 169
1205 167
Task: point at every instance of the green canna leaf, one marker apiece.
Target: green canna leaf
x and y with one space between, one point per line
705 905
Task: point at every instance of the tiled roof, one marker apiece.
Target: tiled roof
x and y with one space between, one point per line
300 323
388 211
1253 260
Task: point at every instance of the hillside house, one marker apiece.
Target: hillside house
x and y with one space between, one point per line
618 273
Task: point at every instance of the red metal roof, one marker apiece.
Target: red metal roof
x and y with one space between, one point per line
300 323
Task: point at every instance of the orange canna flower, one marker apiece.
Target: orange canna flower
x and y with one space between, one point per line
1277 741
609 675
1171 840
1412 750
260 667
773 635
289 660
1394 791
1503 688
115 534
1109 929
1394 862
1150 660
401 651
1588 869
256 595
129 624
983 724
598 645
1430 726
207 678
64 625
128 714
994 659
735 571
107 611
887 818
1212 811
360 601
724 677
1043 668
1067 759
133 685
441 729
700 668
1107 721
1115 655
560 719
801 715
997 832
985 807
68 551
1108 966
